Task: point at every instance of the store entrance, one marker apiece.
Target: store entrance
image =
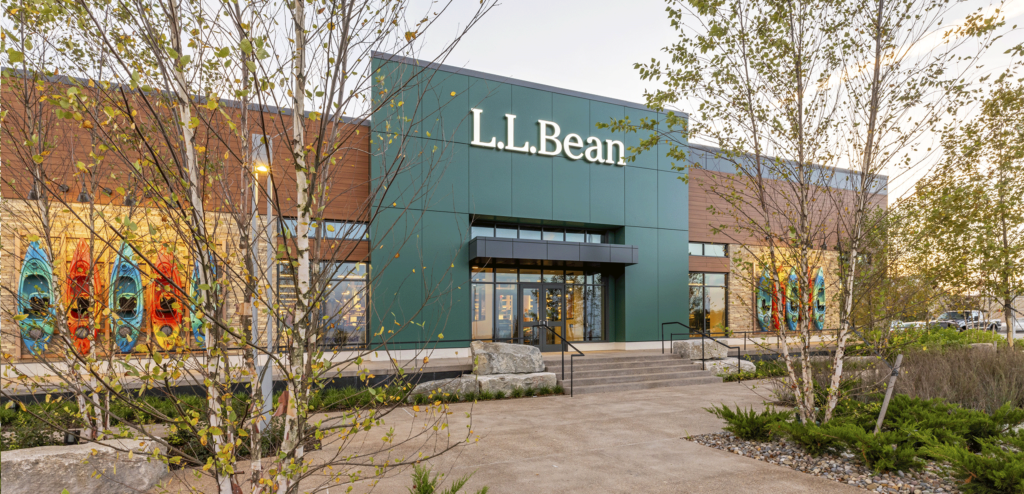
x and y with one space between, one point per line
543 304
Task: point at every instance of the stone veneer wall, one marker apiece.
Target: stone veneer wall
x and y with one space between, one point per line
741 289
18 220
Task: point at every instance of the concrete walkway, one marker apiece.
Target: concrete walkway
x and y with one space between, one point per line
618 442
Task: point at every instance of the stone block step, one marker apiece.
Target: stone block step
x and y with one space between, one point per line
618 387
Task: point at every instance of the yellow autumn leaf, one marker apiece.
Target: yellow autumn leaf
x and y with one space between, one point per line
453 93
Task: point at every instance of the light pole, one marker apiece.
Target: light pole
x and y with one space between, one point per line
264 369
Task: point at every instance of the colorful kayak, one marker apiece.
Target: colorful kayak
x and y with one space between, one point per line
80 299
35 290
166 305
817 282
791 299
765 302
126 299
197 324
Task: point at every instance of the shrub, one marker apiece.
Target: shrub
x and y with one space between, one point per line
499 395
750 425
970 378
765 369
816 440
882 452
423 483
998 466
545 390
559 390
487 395
518 392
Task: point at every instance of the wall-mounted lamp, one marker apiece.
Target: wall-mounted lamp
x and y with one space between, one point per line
63 188
84 196
129 199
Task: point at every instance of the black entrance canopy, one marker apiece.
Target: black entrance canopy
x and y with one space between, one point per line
487 249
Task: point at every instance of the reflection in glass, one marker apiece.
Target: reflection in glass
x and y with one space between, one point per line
531 313
529 233
714 250
554 276
553 300
574 312
556 236
506 232
506 317
696 278
505 275
594 312
697 317
483 311
696 249
574 277
482 274
481 231
529 276
575 237
594 238
714 303
714 279
344 313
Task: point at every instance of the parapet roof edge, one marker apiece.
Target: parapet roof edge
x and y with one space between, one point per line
506 80
69 80
713 149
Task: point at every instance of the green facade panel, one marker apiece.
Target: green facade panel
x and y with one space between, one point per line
607 194
641 300
632 139
570 190
396 288
443 181
673 279
641 197
490 182
446 179
673 201
531 187
445 277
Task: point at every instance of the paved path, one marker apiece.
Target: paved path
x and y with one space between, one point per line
621 442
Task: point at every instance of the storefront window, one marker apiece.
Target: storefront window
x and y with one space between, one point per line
551 234
708 303
495 302
341 312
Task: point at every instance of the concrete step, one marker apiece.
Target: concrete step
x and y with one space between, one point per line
678 364
581 365
604 358
665 383
639 373
588 380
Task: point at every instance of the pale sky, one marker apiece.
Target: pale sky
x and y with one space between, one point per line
591 46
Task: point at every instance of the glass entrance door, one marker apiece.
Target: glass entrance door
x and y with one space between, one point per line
543 304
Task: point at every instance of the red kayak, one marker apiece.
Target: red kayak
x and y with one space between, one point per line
79 298
166 305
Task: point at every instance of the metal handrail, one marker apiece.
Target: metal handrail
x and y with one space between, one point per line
704 335
571 357
671 335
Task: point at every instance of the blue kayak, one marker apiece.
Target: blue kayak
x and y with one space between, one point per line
35 291
126 299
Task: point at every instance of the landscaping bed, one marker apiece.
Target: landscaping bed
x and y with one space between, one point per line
843 468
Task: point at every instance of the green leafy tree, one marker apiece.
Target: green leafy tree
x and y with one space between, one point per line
973 201
789 92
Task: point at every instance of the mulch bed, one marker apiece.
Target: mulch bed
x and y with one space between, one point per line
844 468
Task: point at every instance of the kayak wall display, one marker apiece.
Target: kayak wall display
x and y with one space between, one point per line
166 303
35 293
817 298
81 289
126 303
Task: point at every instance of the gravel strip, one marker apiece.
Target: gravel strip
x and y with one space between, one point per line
844 468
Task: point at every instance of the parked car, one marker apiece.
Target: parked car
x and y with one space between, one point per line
963 320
